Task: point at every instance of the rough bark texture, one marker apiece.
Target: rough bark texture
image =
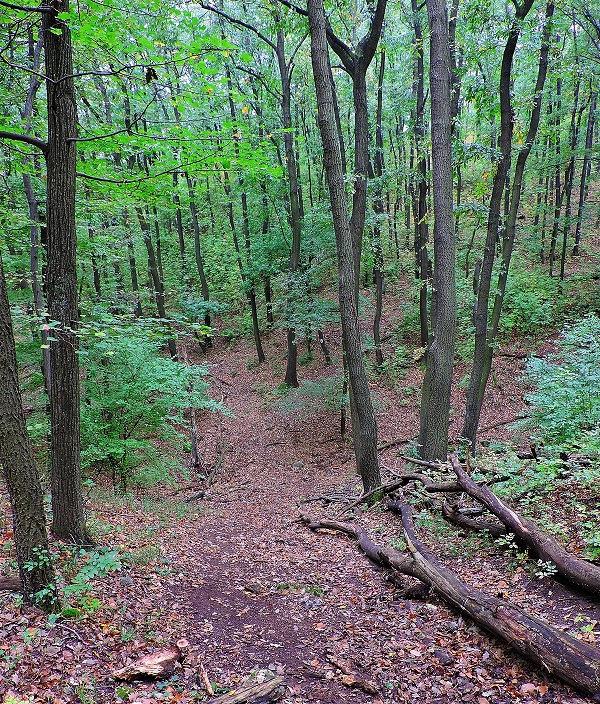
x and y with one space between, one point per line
20 473
363 416
435 405
573 661
61 280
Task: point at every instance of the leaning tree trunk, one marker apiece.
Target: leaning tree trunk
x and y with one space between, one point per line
435 404
363 418
478 380
61 279
19 471
585 171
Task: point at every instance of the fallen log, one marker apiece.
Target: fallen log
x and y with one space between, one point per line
544 547
256 693
572 661
11 584
453 515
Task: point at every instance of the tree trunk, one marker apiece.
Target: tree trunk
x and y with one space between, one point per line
197 249
20 473
61 279
585 171
435 404
571 660
478 379
364 425
157 284
378 209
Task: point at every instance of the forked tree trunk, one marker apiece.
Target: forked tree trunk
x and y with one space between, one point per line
364 425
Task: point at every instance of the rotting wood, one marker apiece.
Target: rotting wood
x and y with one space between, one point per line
571 568
391 443
10 584
453 515
573 661
255 693
157 665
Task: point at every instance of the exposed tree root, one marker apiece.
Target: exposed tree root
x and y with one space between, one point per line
573 661
573 569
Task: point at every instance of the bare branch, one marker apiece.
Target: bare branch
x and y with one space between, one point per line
26 8
239 23
17 137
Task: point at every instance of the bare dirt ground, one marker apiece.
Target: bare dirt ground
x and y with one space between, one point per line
255 593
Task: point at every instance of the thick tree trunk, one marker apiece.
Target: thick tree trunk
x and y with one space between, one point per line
20 473
435 403
61 280
364 425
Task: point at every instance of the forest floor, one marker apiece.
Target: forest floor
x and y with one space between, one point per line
254 592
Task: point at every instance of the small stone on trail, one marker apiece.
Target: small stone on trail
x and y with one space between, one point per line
443 657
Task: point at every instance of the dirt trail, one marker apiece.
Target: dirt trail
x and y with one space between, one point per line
261 592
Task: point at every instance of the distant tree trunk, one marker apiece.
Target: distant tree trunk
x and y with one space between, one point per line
419 192
197 248
364 424
291 371
20 473
157 284
61 279
437 384
378 209
558 189
585 171
574 130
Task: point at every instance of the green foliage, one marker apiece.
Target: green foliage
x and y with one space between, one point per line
565 406
532 302
134 396
326 394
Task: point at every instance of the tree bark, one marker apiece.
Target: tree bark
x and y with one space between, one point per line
435 403
20 473
363 417
61 279
478 380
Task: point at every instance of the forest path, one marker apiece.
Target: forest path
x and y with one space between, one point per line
259 591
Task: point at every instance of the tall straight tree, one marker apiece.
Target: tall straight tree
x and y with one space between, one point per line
59 150
68 521
482 355
435 403
363 415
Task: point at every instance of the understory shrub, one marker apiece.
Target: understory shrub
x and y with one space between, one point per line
134 399
564 410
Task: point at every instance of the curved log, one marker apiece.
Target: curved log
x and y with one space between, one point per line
453 515
572 661
573 569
